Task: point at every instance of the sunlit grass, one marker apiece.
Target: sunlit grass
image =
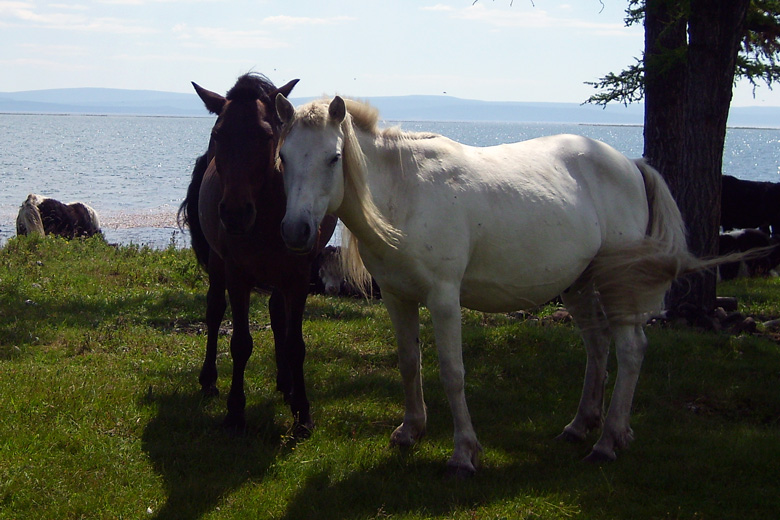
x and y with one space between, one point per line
101 414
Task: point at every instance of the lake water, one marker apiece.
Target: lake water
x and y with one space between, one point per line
135 170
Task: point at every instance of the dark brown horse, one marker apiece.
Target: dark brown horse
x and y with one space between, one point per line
234 206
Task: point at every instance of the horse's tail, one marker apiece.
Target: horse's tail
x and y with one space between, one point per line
187 215
666 226
632 280
29 220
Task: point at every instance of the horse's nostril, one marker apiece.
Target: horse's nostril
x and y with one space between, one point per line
296 234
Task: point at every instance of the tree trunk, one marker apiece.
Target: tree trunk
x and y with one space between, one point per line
665 87
693 112
665 81
715 30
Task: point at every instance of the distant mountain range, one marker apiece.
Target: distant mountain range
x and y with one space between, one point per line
394 108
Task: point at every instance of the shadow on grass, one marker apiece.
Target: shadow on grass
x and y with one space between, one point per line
201 462
423 489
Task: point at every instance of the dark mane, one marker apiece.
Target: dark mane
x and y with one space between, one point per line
250 87
256 87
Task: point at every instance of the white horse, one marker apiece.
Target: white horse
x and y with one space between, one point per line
493 229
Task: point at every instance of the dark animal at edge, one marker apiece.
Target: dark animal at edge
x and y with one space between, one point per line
744 240
233 208
750 204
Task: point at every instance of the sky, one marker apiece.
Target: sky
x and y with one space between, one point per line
493 50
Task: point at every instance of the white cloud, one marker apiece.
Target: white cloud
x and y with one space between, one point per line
296 21
226 38
54 49
535 19
148 2
25 14
69 7
437 7
44 64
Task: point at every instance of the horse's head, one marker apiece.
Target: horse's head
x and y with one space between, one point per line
311 155
243 146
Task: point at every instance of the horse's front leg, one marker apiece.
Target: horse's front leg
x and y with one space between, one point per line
444 305
278 314
240 350
215 311
404 315
291 354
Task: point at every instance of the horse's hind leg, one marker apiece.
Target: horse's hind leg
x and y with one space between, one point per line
630 346
215 311
583 304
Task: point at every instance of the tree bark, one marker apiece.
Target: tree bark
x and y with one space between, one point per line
665 84
715 30
687 105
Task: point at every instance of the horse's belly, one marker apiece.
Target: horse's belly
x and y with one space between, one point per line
523 291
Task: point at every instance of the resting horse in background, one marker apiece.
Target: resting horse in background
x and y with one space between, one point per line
234 207
46 216
493 229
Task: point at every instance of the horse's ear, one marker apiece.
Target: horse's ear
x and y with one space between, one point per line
213 101
287 88
284 109
337 110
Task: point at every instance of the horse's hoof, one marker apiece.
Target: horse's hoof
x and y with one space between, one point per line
599 457
236 424
460 471
569 437
302 431
405 437
210 391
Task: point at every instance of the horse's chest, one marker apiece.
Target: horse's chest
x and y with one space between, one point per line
264 261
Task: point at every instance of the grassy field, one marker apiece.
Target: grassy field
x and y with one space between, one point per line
101 414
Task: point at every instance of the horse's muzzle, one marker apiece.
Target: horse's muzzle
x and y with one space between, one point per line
298 236
237 220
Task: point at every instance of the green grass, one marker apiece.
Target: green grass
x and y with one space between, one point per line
101 414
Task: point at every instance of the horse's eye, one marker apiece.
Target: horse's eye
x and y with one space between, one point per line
281 158
336 159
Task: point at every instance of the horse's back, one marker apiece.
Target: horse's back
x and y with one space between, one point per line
67 220
518 223
566 188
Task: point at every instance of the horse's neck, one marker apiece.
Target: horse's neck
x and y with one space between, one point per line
387 181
